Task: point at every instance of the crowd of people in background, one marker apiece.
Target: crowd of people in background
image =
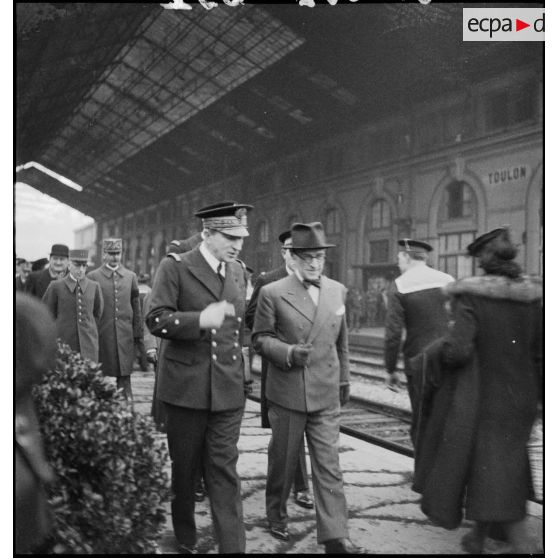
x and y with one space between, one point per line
472 368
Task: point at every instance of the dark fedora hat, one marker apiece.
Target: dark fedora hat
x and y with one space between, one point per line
309 236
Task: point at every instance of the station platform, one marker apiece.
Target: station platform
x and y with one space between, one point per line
384 513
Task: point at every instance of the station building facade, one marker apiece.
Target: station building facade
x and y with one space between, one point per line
443 171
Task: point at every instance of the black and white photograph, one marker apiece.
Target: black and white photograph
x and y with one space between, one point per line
279 277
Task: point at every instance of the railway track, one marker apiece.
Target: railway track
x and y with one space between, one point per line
388 426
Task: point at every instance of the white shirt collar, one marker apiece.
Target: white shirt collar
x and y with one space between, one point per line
211 259
289 270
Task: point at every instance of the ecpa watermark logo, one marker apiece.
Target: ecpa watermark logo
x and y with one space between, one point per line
503 24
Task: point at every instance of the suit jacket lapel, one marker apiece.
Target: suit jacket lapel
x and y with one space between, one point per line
325 307
297 296
205 275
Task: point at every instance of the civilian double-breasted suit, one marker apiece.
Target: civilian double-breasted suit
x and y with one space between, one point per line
301 474
77 310
305 399
200 377
120 321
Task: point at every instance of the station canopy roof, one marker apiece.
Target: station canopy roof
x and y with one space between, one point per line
137 103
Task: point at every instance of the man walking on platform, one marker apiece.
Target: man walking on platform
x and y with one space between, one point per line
301 487
197 309
39 280
300 328
120 328
416 304
77 304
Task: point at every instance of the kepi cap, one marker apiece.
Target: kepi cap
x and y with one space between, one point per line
226 217
112 245
60 250
475 247
410 245
79 255
309 236
285 235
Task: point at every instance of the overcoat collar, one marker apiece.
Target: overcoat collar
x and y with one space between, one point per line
108 272
71 284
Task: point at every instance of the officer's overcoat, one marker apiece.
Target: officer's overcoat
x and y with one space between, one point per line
198 369
121 319
77 313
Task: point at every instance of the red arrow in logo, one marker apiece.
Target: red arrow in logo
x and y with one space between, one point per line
519 25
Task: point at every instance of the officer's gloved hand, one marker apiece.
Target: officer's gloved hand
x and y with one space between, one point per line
301 353
213 316
152 356
344 394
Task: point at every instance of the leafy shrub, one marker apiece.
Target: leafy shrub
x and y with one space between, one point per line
111 484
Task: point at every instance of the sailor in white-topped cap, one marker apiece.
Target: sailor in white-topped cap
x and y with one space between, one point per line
416 305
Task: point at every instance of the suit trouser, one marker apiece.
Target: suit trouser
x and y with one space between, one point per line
322 436
193 433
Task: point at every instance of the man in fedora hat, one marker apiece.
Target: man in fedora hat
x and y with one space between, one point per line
300 328
120 328
76 303
197 309
416 304
57 268
300 485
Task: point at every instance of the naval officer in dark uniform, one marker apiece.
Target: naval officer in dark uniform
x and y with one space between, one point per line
416 304
197 309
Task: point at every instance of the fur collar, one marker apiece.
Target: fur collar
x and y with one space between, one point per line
524 289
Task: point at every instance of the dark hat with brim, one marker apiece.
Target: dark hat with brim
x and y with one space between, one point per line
285 235
60 250
80 255
309 236
476 246
226 217
410 245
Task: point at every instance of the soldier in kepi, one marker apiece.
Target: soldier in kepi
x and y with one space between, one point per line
416 304
120 327
197 309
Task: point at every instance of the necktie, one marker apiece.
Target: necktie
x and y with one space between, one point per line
219 270
308 282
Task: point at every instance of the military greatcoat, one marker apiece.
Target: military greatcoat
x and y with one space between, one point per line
77 311
120 321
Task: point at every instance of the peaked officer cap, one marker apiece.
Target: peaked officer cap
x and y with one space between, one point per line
409 245
112 245
79 255
226 217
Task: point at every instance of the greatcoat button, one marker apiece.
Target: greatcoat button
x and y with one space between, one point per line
234 357
213 331
214 343
214 357
176 322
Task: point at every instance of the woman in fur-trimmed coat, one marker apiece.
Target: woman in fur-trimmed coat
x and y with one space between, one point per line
494 352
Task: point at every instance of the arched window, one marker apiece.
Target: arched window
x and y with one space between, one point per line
380 215
457 225
458 202
332 221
